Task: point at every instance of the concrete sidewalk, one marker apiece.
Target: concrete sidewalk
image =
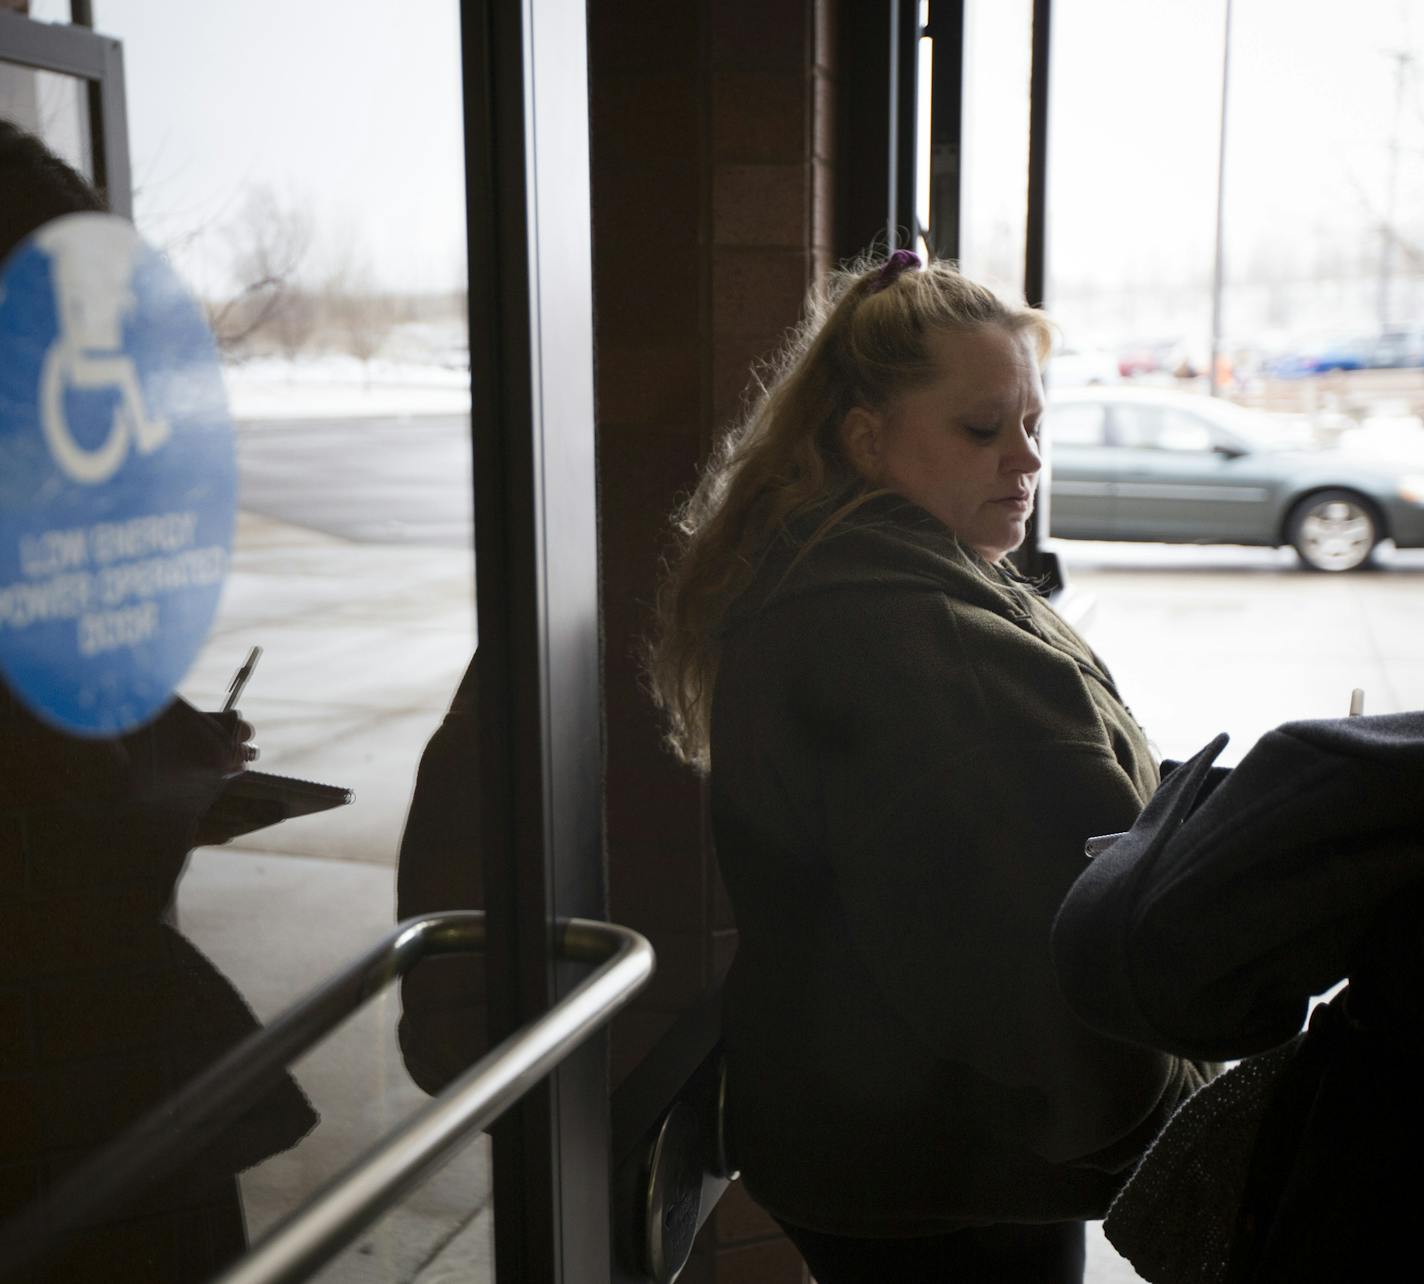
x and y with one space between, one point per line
364 645
1204 640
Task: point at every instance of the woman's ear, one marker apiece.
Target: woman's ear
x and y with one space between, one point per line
861 433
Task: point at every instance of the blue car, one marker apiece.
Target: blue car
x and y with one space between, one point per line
1346 354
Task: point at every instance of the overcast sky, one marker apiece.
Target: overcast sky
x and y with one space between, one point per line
1133 136
350 109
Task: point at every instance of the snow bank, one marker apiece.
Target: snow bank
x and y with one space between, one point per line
331 387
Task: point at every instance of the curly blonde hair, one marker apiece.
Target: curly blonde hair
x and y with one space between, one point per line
864 341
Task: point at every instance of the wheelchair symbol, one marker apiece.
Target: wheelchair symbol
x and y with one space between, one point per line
92 265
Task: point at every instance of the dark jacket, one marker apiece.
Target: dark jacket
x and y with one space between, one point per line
1207 928
909 748
1233 900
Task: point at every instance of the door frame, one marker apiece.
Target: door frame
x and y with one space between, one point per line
528 212
70 50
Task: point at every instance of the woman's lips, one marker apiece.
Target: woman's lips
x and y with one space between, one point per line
1019 503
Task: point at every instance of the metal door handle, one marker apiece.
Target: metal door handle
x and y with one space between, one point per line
181 1126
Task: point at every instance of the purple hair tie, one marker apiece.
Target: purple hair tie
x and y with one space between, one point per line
900 261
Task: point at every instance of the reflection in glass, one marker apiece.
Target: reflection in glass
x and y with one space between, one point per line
111 1008
318 213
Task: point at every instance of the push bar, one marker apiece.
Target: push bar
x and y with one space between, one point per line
312 1233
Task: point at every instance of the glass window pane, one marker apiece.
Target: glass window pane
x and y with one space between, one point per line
994 187
302 167
53 107
50 10
1183 432
1075 425
1136 426
1135 112
1321 286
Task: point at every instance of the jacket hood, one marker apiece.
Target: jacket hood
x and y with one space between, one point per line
887 544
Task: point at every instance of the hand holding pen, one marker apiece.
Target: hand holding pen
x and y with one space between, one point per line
241 731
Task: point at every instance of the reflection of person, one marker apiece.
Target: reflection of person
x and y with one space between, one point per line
108 1008
39 187
907 748
111 1008
444 1022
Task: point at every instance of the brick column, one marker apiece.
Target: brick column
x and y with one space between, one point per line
712 191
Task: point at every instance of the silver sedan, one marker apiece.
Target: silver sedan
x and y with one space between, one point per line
1165 467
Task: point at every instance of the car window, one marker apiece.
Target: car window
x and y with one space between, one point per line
1136 426
1184 432
1076 424
1147 427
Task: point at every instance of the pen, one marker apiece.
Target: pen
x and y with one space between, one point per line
239 679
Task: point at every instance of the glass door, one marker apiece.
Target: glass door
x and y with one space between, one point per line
304 170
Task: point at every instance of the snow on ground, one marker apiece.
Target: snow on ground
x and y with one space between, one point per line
1399 437
340 386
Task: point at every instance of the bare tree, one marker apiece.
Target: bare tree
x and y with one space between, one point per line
268 240
355 307
293 322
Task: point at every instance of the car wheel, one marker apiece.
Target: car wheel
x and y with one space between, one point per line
1335 530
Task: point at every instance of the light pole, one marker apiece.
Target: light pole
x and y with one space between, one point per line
1218 267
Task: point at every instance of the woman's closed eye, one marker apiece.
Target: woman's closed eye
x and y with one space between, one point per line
984 434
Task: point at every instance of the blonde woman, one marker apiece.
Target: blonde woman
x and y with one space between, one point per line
907 748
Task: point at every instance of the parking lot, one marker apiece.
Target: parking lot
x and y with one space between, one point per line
1203 640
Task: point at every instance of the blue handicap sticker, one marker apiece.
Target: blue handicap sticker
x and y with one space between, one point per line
118 483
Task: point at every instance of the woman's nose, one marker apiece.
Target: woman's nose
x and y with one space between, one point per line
1025 456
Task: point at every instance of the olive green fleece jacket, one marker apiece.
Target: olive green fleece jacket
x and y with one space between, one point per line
909 748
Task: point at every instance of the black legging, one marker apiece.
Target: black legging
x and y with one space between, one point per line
1050 1253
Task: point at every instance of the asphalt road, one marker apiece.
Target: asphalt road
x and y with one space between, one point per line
1202 639
373 481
